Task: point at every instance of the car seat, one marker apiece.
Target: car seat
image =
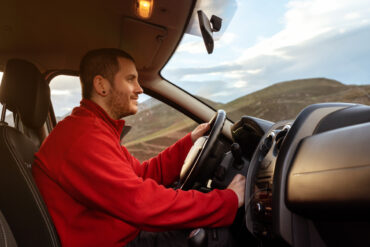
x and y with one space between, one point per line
24 92
6 236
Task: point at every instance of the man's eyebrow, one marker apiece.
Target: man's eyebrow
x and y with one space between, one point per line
131 76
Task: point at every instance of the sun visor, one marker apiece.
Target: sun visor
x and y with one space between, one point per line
144 45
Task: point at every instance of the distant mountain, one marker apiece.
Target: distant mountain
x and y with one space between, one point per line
158 126
147 104
154 119
286 99
215 105
64 116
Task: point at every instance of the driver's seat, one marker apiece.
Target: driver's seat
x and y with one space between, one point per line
24 92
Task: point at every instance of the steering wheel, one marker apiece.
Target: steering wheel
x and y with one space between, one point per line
195 166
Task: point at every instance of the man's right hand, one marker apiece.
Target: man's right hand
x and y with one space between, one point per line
238 186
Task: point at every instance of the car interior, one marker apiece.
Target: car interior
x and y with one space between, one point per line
307 178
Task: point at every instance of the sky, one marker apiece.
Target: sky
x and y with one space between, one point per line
262 42
269 41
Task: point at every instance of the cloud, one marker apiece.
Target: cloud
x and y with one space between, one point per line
318 39
64 103
197 46
193 47
216 90
305 20
227 39
178 74
234 74
65 82
60 92
239 84
254 71
65 94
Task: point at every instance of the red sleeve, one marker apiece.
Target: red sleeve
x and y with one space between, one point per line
166 166
99 175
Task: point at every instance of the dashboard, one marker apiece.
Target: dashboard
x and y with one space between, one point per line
260 181
307 179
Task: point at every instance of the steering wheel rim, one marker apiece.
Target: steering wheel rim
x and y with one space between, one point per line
198 165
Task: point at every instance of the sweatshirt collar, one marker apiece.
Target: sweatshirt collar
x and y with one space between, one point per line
101 113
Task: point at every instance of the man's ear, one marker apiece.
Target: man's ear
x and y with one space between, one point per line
101 85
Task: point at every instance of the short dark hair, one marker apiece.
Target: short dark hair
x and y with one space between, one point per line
102 62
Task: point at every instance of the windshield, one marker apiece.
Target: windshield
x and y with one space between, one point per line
276 57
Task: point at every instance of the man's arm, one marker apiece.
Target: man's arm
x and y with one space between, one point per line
105 181
166 166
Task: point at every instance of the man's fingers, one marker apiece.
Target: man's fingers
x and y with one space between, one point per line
238 186
238 176
204 127
199 131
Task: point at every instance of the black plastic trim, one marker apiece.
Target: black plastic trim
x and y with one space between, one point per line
329 176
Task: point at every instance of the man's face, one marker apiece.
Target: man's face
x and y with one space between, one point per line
125 90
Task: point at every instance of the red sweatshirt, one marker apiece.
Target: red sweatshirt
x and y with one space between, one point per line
100 195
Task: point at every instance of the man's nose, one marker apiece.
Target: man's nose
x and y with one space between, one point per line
139 89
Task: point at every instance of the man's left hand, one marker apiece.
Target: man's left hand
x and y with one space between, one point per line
199 131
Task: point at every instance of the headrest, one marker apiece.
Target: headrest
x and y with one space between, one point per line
25 92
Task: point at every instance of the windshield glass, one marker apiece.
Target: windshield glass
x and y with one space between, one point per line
276 57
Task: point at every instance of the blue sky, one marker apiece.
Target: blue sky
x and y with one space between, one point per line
270 41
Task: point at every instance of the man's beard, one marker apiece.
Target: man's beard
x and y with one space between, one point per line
116 105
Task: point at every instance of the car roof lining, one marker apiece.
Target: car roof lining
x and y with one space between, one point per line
55 34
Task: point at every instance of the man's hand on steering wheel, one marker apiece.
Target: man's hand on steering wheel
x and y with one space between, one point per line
196 168
199 131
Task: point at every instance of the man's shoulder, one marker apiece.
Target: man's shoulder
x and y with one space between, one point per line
74 128
75 124
76 133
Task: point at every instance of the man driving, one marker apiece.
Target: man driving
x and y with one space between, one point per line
97 193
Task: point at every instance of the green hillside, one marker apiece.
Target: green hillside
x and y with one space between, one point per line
154 129
158 127
286 99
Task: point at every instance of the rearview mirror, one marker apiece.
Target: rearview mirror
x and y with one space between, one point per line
207 30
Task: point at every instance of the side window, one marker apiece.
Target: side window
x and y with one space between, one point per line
9 115
155 127
65 95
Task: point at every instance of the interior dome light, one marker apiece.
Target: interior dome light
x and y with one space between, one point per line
144 8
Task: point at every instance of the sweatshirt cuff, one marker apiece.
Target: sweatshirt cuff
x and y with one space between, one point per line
188 141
